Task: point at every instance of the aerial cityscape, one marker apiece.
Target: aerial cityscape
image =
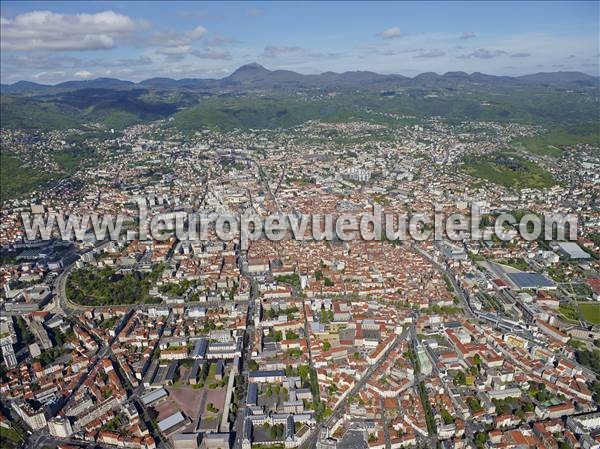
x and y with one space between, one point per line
273 225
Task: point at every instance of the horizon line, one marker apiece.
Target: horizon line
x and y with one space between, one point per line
260 66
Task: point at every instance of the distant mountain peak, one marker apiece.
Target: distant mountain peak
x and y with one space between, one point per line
249 72
252 67
255 76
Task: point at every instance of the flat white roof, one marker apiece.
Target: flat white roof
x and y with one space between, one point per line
573 250
153 396
171 421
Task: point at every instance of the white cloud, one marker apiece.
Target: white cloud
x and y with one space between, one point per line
430 54
197 32
520 55
175 50
276 51
218 41
211 53
299 54
390 33
48 76
83 74
482 53
467 35
49 31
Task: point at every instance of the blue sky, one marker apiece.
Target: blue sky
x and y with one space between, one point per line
50 42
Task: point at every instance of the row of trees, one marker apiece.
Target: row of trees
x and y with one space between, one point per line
276 432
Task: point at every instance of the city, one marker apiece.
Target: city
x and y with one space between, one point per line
139 342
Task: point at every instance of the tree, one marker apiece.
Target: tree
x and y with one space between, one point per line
520 413
480 439
446 416
326 346
290 335
474 404
277 431
529 407
303 372
460 378
324 316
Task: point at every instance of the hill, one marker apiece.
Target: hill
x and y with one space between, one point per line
253 96
114 108
255 76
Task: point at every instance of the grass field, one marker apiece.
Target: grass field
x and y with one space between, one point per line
569 313
509 170
10 438
553 143
17 179
590 311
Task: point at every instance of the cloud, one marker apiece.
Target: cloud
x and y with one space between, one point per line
430 54
218 41
40 61
169 37
173 44
175 53
179 52
274 51
175 50
467 35
128 62
520 55
210 53
83 74
49 31
48 75
482 53
299 53
197 33
116 63
390 33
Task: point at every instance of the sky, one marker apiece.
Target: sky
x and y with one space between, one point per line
50 42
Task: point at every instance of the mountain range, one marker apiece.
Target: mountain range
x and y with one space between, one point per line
255 76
